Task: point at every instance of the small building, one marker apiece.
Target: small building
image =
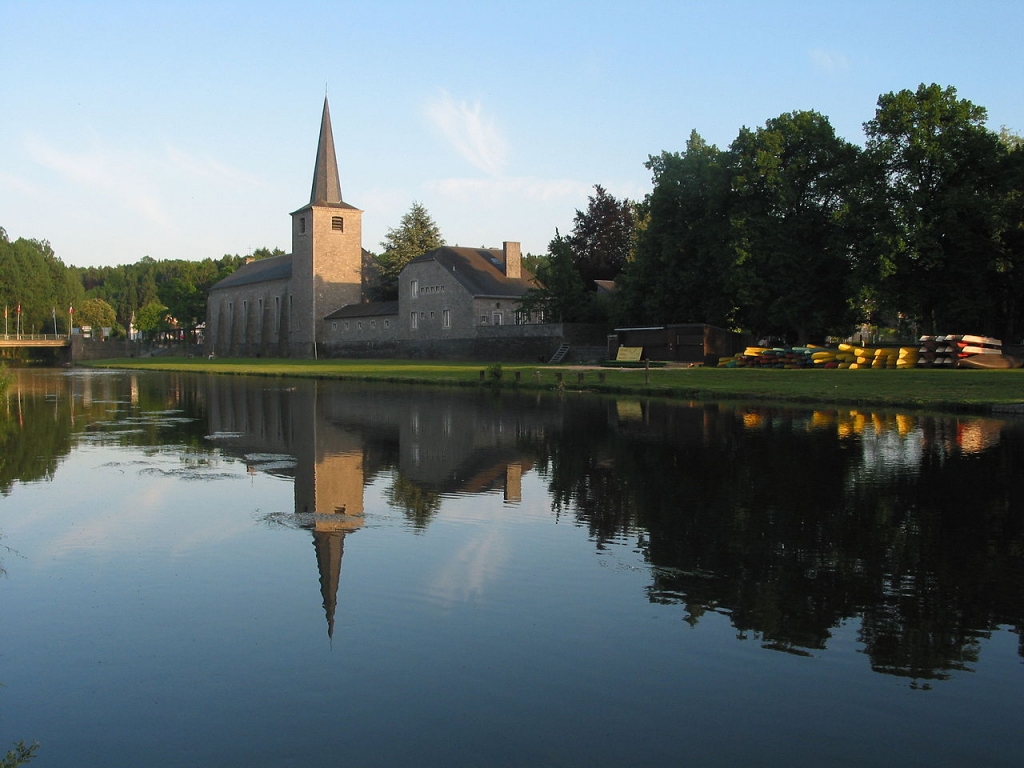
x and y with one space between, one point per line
682 342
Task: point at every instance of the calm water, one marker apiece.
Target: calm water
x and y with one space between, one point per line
227 571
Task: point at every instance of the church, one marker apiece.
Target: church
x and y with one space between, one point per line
311 303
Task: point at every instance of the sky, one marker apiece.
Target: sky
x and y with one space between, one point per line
189 129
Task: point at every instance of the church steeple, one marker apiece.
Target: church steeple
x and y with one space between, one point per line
326 182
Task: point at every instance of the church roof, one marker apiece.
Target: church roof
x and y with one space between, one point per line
481 271
326 188
261 270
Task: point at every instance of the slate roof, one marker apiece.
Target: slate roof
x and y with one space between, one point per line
369 309
261 270
480 270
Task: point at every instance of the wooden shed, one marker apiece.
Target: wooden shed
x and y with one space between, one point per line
683 342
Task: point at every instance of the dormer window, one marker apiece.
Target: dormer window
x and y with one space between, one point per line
337 223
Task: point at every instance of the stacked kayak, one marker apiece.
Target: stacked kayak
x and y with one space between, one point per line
954 351
964 351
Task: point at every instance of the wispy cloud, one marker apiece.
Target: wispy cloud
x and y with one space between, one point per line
472 134
830 62
211 170
137 181
98 170
497 190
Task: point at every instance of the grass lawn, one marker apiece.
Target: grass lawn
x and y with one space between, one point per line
962 390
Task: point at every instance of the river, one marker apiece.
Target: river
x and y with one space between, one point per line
236 571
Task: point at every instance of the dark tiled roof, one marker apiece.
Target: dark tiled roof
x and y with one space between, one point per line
479 270
369 309
342 205
259 271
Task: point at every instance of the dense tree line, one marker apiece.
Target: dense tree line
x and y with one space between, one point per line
35 286
153 295
795 232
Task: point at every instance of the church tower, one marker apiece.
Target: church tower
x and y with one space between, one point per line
327 250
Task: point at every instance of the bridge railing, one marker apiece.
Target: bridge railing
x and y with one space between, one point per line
33 337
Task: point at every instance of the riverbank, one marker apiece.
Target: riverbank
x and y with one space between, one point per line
975 391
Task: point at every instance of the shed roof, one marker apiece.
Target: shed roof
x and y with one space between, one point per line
368 309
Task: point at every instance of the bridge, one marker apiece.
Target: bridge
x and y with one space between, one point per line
18 340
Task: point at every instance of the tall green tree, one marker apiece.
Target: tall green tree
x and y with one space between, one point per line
602 236
682 259
936 202
415 234
96 313
560 294
34 278
792 269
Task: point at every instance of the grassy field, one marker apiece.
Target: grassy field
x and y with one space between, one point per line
960 390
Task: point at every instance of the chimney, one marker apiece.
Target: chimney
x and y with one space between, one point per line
513 260
250 259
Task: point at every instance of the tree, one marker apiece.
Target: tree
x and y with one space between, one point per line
936 203
560 294
792 268
150 317
34 278
602 237
96 313
682 260
415 234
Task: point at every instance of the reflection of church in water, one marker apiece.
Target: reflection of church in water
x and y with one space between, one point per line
334 441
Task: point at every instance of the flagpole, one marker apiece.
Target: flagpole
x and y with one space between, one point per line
53 311
71 319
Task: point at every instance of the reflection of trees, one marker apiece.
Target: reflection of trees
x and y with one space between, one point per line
419 504
43 414
34 436
773 521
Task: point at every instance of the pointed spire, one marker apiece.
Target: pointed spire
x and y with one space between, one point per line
326 182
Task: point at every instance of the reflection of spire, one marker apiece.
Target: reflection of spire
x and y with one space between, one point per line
330 546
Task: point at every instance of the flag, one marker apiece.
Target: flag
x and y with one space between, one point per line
71 310
19 308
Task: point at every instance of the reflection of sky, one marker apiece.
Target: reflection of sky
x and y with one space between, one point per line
117 500
889 453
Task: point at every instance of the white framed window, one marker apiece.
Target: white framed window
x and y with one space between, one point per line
496 317
414 320
483 319
387 323
359 325
414 289
373 323
334 326
446 318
